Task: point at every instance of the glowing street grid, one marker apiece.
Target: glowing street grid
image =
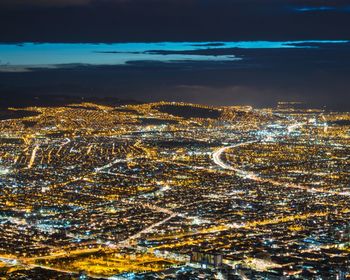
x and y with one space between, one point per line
32 55
171 190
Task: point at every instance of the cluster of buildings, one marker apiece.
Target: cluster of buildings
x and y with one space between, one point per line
171 190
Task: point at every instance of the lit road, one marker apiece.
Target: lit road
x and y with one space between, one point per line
217 157
109 165
126 242
24 263
32 158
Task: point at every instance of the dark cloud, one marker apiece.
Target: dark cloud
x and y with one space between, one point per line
319 77
169 20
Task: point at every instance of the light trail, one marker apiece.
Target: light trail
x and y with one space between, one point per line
293 127
126 242
218 161
32 158
109 165
149 229
89 149
252 225
120 175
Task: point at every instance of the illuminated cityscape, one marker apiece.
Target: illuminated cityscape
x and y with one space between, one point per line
171 190
174 139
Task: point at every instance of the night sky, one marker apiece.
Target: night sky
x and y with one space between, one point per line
216 65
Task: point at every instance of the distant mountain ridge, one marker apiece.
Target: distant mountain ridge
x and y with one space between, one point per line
29 100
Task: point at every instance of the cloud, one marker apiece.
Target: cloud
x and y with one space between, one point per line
168 20
322 9
13 69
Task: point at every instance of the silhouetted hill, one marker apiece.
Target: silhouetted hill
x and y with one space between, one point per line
27 100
